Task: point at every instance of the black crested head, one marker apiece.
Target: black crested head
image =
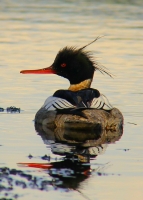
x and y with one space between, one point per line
76 64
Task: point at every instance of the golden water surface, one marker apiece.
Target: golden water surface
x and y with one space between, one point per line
31 34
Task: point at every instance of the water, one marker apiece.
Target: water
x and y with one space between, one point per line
31 34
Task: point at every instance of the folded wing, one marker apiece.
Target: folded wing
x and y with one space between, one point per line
101 103
55 103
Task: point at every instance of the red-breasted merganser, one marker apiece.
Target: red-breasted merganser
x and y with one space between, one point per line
78 67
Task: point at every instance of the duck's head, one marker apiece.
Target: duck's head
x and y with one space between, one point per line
74 64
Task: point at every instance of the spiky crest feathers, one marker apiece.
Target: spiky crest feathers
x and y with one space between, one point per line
74 51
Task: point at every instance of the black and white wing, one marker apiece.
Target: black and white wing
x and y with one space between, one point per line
55 103
101 103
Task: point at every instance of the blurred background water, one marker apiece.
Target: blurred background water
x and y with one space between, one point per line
31 34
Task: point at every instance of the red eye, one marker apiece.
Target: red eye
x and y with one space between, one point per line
63 65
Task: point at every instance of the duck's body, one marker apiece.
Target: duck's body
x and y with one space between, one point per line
69 102
79 105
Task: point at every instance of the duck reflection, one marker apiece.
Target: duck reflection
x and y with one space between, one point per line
72 142
78 148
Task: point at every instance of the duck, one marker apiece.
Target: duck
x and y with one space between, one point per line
79 106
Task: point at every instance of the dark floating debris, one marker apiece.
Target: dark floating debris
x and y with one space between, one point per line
131 123
46 157
30 156
1 109
12 179
13 109
124 149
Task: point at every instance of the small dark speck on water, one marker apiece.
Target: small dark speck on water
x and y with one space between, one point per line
124 149
30 156
45 157
131 123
